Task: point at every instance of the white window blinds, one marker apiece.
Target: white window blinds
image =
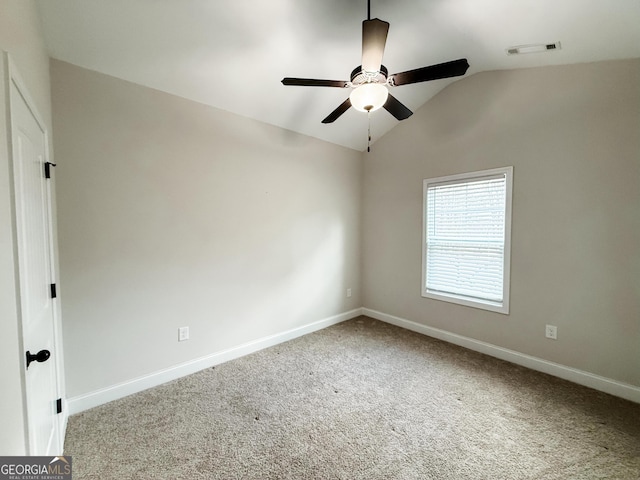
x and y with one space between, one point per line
465 237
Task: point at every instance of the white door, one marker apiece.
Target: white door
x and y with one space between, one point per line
32 203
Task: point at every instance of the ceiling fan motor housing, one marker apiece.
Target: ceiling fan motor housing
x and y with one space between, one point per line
359 76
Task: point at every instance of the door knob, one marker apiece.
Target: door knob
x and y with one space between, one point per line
41 356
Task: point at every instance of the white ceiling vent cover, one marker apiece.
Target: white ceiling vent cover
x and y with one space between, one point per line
534 48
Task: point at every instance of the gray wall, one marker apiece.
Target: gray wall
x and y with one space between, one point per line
20 36
572 134
173 213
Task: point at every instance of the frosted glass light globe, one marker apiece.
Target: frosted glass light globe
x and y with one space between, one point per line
369 97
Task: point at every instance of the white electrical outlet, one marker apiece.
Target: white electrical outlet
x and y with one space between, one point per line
551 331
348 292
183 334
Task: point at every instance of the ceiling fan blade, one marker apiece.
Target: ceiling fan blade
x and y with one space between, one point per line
396 108
312 82
374 38
454 68
333 116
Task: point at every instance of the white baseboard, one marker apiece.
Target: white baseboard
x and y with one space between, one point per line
93 399
607 385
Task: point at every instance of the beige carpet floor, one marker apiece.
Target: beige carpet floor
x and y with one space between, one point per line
360 400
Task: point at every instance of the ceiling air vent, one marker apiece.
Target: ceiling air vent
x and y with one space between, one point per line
534 48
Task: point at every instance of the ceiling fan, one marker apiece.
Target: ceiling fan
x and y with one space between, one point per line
370 81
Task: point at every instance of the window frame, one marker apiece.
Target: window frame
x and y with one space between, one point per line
499 307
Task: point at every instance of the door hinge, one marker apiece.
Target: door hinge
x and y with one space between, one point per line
59 405
54 293
47 169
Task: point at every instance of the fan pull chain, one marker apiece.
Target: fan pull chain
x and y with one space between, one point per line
368 131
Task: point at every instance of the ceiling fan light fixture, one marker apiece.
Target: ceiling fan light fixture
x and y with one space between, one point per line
369 97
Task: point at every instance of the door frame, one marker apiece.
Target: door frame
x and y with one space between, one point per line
12 76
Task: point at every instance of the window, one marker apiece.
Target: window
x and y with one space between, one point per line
466 244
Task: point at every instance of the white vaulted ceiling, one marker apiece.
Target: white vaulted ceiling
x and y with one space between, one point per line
233 55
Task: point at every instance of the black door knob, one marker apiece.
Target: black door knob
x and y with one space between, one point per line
41 356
